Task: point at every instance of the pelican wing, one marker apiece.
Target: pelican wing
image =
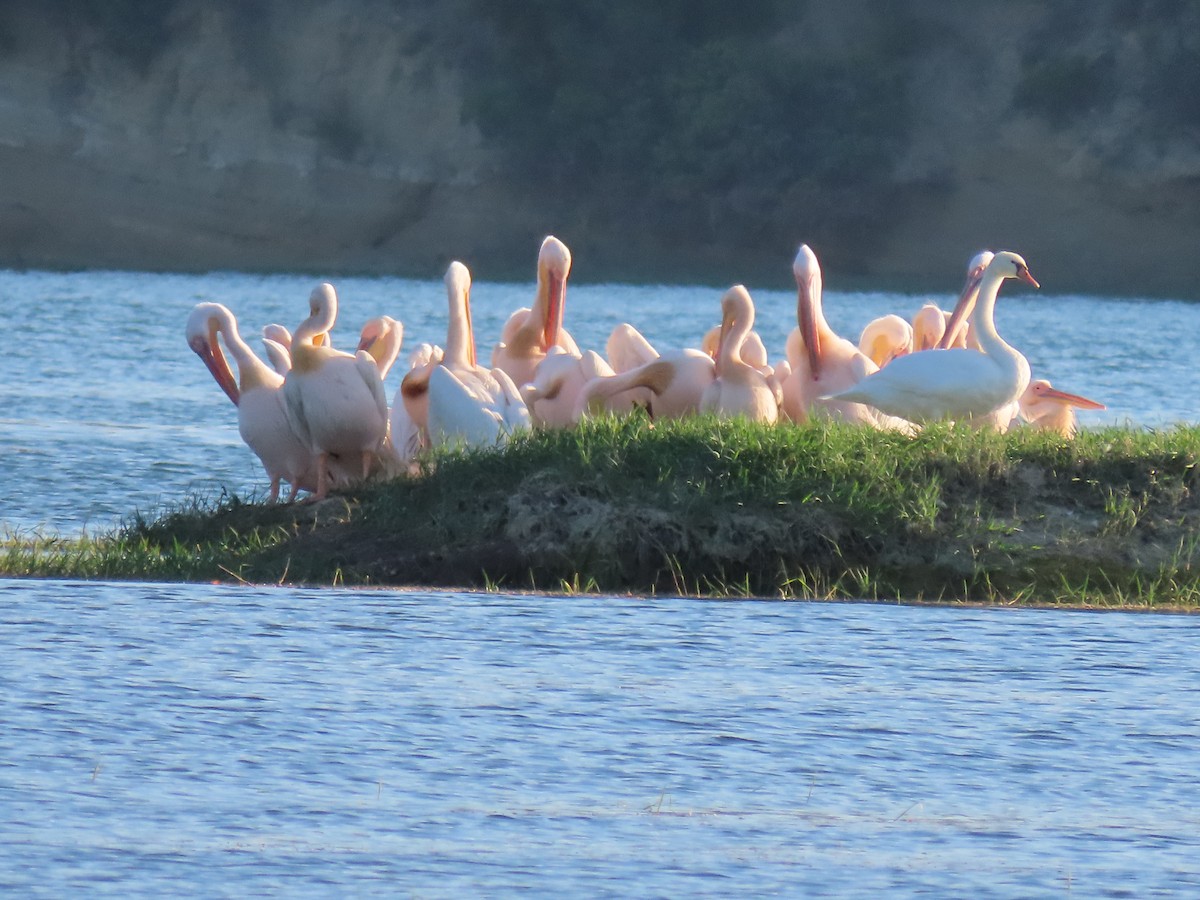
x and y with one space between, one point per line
368 368
458 414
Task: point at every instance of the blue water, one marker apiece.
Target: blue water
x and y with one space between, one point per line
231 741
104 410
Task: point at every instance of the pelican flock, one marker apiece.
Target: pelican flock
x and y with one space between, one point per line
318 418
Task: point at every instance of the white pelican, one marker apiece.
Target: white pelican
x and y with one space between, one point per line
955 383
739 389
469 404
257 393
885 338
334 400
1043 406
529 334
382 337
822 363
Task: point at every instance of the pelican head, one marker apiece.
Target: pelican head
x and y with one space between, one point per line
807 272
886 338
205 322
966 298
554 265
460 340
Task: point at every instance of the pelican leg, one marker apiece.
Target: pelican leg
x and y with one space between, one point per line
322 477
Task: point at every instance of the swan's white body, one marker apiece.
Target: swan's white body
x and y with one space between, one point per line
954 384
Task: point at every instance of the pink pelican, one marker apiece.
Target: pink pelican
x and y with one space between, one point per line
928 326
955 334
627 349
669 386
382 338
885 338
258 394
334 400
822 363
467 404
956 383
1043 406
739 389
529 334
407 427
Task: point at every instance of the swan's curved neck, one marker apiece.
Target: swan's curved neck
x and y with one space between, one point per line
989 339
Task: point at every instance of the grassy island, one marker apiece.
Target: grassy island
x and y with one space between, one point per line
1110 518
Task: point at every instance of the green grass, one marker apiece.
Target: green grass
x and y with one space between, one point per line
716 508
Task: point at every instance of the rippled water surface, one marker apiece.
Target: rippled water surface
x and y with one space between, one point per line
104 410
222 741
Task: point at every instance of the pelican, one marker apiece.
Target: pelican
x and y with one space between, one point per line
382 337
408 418
334 400
529 334
885 338
627 349
956 334
739 389
1043 406
928 326
822 363
753 352
467 403
277 341
956 383
670 386
258 395
553 395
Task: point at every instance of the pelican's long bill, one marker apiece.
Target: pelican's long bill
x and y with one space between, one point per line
209 350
